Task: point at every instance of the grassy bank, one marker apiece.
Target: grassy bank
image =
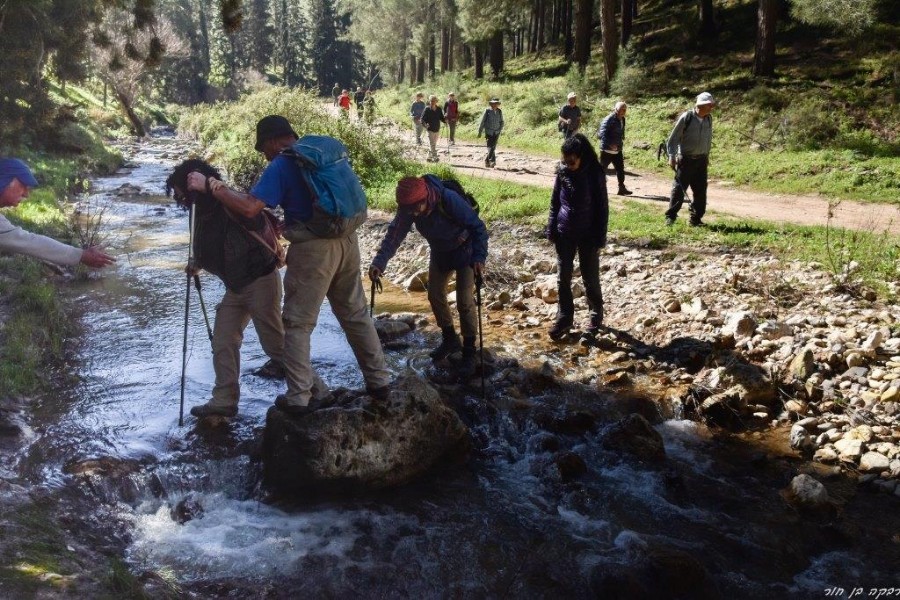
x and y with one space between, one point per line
827 123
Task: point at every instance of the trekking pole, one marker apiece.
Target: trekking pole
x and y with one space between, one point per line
376 286
203 306
479 281
187 308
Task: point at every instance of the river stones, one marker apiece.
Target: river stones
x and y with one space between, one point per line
357 443
634 434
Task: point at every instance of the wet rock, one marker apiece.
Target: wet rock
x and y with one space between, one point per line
389 329
634 434
358 444
801 440
806 492
570 465
417 282
656 572
543 442
187 509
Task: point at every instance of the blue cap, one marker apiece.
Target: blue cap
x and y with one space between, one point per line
13 168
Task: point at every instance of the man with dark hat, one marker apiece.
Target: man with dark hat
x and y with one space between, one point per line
491 124
16 180
458 240
316 268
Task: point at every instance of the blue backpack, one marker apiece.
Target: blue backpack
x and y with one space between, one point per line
339 202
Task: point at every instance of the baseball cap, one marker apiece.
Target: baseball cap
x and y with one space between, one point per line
705 98
13 168
494 101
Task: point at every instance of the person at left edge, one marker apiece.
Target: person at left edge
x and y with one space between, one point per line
16 181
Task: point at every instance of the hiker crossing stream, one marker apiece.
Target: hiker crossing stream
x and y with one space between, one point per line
545 506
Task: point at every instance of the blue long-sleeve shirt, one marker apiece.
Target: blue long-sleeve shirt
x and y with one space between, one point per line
611 132
459 232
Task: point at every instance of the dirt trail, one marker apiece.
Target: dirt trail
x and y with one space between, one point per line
651 188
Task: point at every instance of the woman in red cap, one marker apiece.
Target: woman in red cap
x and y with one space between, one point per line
458 240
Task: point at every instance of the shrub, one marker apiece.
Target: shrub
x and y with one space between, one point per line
810 124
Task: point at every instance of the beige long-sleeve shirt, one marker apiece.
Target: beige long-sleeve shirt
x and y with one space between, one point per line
16 240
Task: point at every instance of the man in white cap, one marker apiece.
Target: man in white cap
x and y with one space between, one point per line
16 180
570 116
688 147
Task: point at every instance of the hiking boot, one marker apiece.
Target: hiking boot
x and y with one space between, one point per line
202 411
624 191
294 410
467 364
487 163
669 221
697 223
380 393
449 345
493 163
559 329
273 369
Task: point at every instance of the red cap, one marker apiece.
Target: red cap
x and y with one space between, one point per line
411 190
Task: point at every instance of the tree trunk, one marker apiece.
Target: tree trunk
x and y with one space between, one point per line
479 60
707 22
542 21
445 49
627 17
766 21
451 49
136 124
432 55
610 40
412 69
401 68
496 49
567 24
584 13
420 70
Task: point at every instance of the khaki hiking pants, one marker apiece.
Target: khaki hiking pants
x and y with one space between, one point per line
318 268
465 298
261 302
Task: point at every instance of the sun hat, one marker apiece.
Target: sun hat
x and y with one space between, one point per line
571 95
494 100
271 127
705 98
13 168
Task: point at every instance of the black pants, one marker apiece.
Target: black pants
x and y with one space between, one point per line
618 163
691 173
589 259
492 147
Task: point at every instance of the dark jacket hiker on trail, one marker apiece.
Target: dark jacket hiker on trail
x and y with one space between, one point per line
224 246
577 224
611 134
458 240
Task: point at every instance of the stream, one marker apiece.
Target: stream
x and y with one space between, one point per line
708 523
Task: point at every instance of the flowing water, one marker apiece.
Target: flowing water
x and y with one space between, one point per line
495 527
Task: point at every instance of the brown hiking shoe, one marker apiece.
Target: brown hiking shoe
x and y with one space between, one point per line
201 411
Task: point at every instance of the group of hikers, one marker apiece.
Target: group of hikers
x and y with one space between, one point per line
363 99
429 117
235 237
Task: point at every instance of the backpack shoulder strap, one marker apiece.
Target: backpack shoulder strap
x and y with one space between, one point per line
273 246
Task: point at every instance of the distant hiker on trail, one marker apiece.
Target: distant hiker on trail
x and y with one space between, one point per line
451 113
16 180
492 125
432 117
344 103
579 215
415 111
370 107
239 251
688 147
612 135
359 98
317 267
335 93
570 116
458 240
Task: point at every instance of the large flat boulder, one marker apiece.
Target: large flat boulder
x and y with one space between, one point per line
357 443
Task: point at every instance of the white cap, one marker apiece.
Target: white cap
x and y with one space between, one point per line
620 105
705 98
571 95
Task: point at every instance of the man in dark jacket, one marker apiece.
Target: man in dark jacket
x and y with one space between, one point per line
226 246
458 240
432 117
451 113
359 98
611 135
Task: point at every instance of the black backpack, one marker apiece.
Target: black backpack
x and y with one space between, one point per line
452 184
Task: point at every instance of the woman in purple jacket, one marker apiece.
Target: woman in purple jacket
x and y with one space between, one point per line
579 215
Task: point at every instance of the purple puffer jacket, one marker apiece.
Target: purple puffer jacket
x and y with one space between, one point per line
579 205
